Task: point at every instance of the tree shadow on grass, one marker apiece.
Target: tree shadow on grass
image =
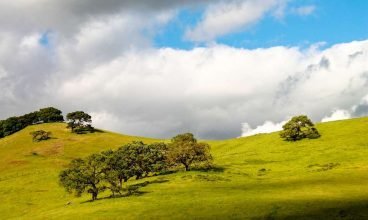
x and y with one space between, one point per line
137 186
339 210
44 140
215 169
132 190
166 172
98 131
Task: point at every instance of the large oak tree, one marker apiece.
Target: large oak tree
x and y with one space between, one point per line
184 149
85 176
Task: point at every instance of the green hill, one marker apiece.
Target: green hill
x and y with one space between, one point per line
258 177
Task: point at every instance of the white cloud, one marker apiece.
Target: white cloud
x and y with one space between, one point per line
210 91
266 127
304 10
230 16
336 115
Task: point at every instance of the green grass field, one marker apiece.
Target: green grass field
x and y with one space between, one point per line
258 177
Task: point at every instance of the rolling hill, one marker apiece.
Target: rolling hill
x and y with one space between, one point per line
257 177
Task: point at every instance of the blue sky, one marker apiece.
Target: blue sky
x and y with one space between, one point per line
331 22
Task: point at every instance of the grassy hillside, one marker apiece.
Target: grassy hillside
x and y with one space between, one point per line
259 177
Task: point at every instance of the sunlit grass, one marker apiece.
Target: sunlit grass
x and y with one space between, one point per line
261 177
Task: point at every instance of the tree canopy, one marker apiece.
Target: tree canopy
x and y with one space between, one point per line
84 176
50 114
184 149
79 122
110 169
299 127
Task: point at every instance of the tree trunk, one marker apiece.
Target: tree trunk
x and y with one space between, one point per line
94 192
147 173
120 183
94 196
187 167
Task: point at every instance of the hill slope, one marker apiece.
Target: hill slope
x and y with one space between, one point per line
260 177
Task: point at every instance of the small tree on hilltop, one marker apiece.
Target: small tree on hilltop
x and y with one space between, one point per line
84 176
184 149
79 122
299 127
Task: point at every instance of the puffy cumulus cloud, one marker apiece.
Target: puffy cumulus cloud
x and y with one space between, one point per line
104 39
266 127
166 91
211 91
336 115
33 63
229 16
26 66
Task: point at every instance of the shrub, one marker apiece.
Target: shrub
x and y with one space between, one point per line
40 135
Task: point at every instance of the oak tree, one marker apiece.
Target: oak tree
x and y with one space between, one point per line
184 149
79 122
299 127
84 176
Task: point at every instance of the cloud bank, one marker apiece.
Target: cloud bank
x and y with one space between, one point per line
209 91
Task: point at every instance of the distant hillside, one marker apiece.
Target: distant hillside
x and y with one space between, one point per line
257 177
